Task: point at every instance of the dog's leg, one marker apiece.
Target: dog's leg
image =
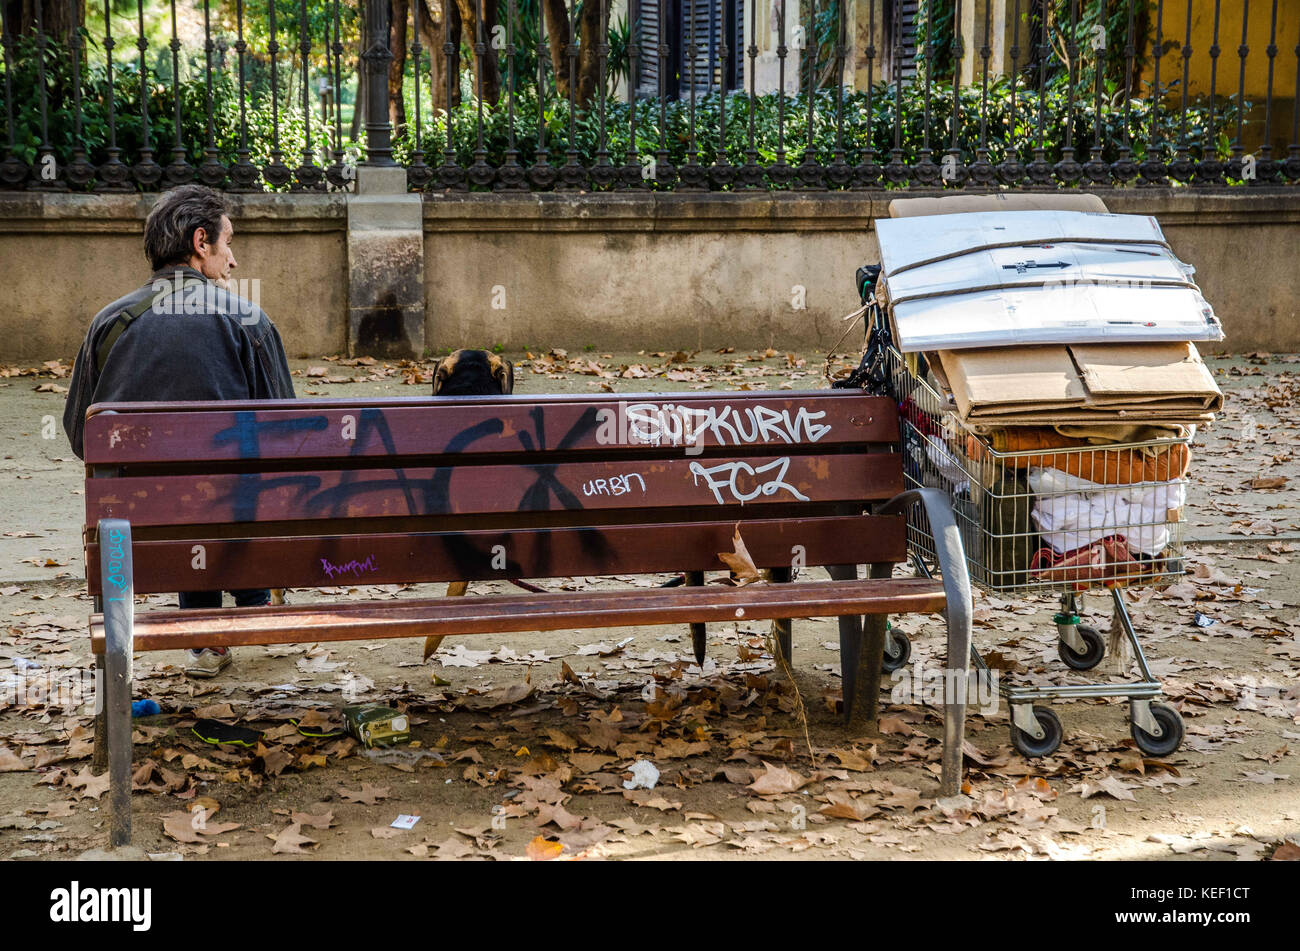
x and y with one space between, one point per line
455 589
277 595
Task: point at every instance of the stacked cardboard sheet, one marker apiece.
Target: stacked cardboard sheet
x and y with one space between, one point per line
1087 383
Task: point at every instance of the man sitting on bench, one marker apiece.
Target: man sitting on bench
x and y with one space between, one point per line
182 336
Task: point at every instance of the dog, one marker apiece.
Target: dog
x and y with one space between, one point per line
468 373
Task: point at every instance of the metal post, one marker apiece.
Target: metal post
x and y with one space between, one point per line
116 582
377 56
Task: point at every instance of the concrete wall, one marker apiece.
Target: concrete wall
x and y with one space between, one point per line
668 270
614 271
63 257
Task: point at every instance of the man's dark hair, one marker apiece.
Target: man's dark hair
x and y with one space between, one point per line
169 229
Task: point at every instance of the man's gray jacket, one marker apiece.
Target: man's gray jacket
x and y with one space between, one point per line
199 343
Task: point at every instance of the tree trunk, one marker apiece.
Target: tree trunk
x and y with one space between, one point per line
491 74
59 18
398 25
557 35
432 38
589 56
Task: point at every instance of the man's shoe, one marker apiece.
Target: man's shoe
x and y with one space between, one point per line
208 662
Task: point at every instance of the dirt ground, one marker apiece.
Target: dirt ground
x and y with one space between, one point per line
522 744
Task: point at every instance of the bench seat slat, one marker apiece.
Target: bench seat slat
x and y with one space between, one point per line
326 560
368 620
386 492
424 426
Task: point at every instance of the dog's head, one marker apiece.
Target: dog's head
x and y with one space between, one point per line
473 373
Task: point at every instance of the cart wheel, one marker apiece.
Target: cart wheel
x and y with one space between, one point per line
1091 657
901 647
1172 738
1052 733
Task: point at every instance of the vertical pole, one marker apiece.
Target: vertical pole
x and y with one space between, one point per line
752 176
179 171
79 171
867 172
147 172
13 170
1209 170
377 56
116 582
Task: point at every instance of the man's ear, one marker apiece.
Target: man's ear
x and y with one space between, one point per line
198 241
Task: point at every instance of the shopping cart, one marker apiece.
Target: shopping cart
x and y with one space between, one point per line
1064 521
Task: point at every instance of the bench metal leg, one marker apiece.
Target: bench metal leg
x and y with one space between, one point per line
699 631
99 757
116 583
862 647
957 612
783 628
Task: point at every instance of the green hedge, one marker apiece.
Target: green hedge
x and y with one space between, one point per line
861 127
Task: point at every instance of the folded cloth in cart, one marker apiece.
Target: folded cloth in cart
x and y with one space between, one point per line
1072 513
1028 438
1101 466
948 467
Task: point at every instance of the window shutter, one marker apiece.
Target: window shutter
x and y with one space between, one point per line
648 65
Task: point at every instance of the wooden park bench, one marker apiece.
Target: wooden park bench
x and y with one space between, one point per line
312 493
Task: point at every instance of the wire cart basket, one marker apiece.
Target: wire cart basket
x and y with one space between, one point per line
1043 520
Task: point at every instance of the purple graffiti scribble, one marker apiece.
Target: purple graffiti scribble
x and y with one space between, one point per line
354 567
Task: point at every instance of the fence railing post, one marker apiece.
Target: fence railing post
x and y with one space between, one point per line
377 56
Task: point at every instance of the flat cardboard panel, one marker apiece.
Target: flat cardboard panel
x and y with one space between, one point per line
1006 379
1147 373
1081 383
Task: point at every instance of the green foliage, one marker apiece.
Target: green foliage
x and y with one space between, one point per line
783 124
780 124
128 119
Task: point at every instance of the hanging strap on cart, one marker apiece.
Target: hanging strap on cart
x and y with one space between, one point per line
871 375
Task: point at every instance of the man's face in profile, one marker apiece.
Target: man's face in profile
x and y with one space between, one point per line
214 259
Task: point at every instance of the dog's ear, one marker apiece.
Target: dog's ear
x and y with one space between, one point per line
445 368
503 371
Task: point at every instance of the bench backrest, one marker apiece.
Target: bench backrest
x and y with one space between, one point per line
307 493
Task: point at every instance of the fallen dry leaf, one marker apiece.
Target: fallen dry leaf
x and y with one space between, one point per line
542 849
739 561
1110 785
89 785
192 826
290 840
1265 778
858 761
369 794
777 780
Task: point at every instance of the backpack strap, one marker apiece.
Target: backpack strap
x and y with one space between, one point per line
126 317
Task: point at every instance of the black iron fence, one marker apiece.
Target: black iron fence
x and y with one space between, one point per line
510 95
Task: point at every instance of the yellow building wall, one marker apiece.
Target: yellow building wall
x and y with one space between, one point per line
1174 30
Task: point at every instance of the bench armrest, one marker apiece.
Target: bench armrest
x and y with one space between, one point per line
948 548
957 612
